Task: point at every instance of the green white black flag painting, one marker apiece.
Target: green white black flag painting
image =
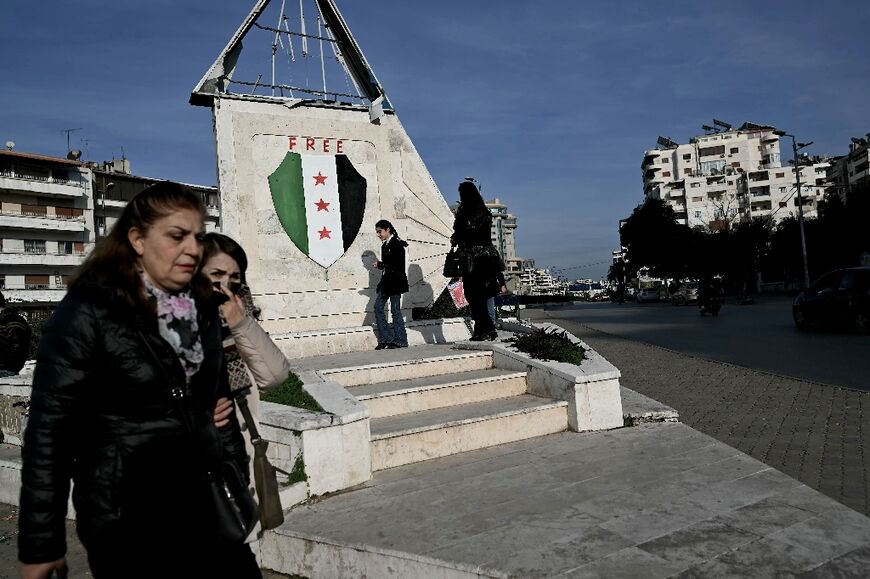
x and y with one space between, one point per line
320 201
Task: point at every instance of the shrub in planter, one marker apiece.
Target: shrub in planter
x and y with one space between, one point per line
545 344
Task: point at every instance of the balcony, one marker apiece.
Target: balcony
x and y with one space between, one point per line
33 293
36 256
41 184
26 220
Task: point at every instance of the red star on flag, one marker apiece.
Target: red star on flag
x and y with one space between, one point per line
322 205
319 179
324 233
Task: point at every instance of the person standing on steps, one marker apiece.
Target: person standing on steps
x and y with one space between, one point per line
480 260
394 282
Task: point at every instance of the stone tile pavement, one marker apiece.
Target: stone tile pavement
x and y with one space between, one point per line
818 434
656 500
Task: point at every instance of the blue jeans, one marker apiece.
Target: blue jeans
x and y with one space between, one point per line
397 335
490 306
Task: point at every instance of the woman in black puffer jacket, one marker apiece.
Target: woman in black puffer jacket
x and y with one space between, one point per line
127 374
472 232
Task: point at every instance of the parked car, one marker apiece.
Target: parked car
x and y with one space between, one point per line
840 298
687 293
648 295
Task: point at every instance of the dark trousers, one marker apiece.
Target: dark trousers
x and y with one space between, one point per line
173 561
475 287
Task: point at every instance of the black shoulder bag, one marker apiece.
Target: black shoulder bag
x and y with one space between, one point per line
451 263
265 480
234 513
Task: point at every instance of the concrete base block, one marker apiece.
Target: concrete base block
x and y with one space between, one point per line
596 406
337 457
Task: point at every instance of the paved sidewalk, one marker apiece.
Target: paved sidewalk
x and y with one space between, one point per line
656 500
815 433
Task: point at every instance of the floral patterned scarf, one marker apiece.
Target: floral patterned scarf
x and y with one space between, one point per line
176 321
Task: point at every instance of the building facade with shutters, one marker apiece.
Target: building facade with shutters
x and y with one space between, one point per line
46 224
53 211
721 178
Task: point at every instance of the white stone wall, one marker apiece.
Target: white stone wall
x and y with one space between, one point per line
295 293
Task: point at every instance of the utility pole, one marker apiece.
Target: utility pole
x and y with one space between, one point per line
797 174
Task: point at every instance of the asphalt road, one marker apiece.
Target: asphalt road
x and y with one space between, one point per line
761 336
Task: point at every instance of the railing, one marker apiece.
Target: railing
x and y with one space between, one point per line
38 251
42 179
31 286
80 218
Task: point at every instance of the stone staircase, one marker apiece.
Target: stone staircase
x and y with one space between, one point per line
433 401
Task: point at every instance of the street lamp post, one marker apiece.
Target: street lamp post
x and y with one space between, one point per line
797 174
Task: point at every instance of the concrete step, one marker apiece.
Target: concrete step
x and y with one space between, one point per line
419 436
418 394
409 367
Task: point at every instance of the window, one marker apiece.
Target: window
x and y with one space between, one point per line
783 204
709 151
697 214
735 150
687 171
782 189
664 161
666 173
693 185
687 157
65 247
735 164
697 199
32 282
780 174
34 246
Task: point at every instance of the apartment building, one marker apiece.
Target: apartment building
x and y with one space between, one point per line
773 192
503 235
114 186
46 224
851 170
727 176
53 210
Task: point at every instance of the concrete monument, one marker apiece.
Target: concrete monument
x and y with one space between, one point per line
304 173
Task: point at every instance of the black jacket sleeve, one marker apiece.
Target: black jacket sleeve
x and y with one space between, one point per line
63 364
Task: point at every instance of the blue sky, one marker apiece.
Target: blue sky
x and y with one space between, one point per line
549 104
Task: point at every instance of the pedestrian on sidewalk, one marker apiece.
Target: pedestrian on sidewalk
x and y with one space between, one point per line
128 371
480 260
253 360
15 336
394 282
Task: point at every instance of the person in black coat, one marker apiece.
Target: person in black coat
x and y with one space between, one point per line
394 282
472 234
128 371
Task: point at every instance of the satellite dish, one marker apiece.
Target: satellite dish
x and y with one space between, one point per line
10 145
74 155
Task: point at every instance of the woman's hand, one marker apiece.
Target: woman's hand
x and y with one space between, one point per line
43 570
222 410
233 309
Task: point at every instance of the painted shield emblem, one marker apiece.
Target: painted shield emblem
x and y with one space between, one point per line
320 201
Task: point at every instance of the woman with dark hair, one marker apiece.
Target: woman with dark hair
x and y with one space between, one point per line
127 373
472 234
394 282
253 359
